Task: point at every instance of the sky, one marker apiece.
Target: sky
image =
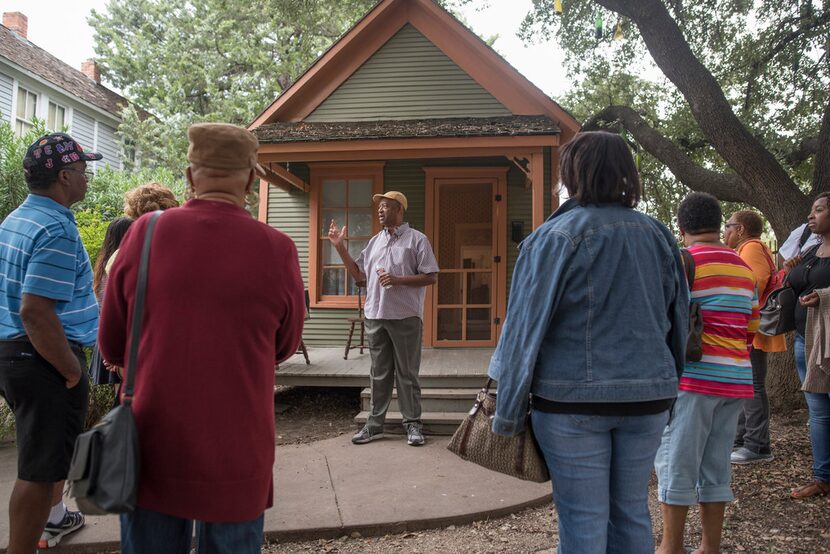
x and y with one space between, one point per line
65 34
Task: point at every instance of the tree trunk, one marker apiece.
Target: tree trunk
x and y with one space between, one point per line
783 386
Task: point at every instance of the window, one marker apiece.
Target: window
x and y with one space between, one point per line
342 193
26 111
56 117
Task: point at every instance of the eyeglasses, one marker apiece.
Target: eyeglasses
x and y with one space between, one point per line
88 173
728 225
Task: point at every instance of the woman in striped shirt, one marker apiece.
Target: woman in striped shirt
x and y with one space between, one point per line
692 463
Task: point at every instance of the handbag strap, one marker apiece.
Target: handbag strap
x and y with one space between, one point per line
138 309
689 266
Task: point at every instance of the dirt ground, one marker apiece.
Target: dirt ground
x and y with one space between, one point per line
762 520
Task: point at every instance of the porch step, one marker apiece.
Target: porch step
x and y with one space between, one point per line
432 400
435 423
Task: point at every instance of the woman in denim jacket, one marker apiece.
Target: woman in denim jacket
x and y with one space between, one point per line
596 331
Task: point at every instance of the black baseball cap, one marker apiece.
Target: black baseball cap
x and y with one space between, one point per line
50 153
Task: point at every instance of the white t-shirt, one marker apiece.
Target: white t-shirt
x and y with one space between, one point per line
790 246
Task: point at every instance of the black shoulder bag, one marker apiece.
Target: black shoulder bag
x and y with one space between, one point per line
103 476
694 342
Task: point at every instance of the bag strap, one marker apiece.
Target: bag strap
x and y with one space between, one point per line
805 236
689 266
138 309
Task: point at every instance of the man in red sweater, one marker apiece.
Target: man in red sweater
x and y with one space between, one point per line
224 303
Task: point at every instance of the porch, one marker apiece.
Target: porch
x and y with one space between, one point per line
440 368
450 379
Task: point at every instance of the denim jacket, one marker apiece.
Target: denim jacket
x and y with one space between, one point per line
598 312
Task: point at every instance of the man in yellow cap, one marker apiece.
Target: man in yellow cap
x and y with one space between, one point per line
397 265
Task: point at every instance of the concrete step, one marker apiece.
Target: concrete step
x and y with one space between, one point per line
432 400
314 379
435 423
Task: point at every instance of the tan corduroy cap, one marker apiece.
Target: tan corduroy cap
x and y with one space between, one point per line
392 195
221 146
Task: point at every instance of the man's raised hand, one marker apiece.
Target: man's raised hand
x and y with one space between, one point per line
336 236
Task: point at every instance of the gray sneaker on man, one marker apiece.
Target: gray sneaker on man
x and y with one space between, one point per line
743 456
414 436
366 435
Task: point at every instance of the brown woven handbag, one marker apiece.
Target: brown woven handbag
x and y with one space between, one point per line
474 441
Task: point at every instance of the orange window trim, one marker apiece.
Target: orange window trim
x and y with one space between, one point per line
319 172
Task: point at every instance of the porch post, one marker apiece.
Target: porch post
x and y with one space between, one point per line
537 179
263 201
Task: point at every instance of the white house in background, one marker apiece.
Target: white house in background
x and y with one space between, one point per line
34 83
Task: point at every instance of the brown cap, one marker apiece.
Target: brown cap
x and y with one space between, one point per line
221 146
392 195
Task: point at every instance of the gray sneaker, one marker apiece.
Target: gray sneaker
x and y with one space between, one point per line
743 456
414 436
366 435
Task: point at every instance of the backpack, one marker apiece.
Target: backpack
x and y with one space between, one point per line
694 341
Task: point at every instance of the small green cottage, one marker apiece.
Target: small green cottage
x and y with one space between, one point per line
411 100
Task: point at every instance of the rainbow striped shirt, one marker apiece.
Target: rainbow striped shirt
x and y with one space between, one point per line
725 289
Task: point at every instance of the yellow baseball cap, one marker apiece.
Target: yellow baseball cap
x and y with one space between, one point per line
392 195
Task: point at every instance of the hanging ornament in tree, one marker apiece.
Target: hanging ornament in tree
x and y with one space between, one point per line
557 7
598 27
618 31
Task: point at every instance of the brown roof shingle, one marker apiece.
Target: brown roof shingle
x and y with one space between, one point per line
515 125
46 66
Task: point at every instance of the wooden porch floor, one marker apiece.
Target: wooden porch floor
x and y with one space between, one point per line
440 368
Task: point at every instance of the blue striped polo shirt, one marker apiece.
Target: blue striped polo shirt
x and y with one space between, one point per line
41 253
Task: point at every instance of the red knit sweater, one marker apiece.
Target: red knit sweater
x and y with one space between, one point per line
224 303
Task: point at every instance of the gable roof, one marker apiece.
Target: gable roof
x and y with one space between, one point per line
23 53
486 67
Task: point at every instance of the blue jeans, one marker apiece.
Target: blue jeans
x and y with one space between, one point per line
144 531
818 406
600 467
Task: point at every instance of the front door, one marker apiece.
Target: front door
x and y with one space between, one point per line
468 238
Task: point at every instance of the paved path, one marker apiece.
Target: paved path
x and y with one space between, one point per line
331 488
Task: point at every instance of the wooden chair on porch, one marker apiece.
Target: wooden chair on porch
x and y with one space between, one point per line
302 349
353 322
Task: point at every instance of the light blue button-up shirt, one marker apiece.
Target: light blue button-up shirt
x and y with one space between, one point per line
41 253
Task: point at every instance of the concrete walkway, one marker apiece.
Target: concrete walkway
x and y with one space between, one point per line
331 488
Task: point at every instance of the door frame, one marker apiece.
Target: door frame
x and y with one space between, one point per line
497 176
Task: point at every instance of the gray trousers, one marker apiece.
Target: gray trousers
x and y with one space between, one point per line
753 422
395 347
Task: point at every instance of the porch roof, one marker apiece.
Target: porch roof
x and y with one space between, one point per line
507 126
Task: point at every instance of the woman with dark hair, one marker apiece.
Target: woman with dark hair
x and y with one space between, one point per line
98 372
810 280
742 233
595 331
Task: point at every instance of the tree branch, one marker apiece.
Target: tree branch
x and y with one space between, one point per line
806 148
821 172
772 190
725 186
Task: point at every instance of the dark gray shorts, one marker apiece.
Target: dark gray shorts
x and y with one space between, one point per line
48 416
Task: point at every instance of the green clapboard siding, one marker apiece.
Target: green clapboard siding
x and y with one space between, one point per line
288 212
408 78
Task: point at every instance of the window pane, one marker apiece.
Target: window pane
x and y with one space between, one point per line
478 288
334 281
21 102
334 193
339 217
449 324
360 223
478 324
360 193
31 106
330 255
449 288
356 247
